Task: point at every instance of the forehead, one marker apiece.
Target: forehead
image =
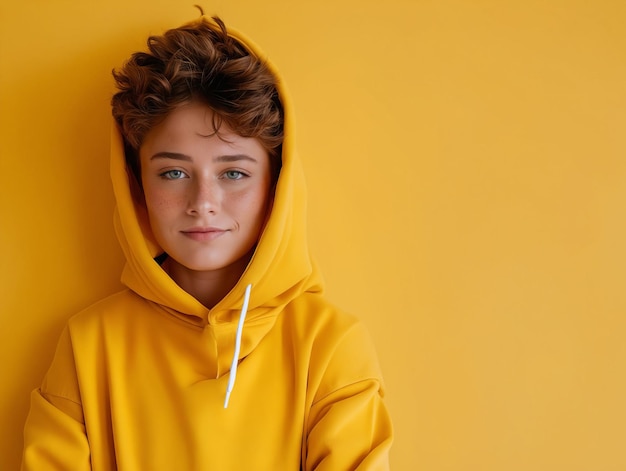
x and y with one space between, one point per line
192 126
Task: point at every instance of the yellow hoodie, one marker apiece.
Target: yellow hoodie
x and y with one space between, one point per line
139 379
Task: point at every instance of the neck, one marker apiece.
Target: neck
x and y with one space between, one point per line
208 287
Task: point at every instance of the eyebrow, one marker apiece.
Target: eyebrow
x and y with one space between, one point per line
187 158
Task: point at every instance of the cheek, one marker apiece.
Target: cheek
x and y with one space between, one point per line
252 205
160 203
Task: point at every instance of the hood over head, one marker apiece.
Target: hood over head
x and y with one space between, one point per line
280 268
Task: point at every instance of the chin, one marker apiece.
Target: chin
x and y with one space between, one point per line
217 265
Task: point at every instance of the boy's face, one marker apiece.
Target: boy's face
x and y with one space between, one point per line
207 195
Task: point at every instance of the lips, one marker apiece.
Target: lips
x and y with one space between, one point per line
202 234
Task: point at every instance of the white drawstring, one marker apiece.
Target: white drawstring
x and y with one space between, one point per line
233 367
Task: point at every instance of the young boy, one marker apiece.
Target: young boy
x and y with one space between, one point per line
222 352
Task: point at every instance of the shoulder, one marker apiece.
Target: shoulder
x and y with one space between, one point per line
320 324
119 308
316 313
340 345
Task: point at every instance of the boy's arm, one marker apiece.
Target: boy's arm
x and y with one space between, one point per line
53 440
54 434
349 427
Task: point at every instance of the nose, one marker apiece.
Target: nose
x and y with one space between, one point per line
205 197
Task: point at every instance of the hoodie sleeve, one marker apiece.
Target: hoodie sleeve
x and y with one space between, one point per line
54 434
349 427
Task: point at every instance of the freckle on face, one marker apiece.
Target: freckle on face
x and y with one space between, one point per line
243 203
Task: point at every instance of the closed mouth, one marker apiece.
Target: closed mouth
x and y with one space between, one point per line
203 233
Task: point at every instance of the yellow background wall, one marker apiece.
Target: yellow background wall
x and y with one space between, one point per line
467 173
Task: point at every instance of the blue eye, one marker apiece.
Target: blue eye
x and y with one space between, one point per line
173 174
234 175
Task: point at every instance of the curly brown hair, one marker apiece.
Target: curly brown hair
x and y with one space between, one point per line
198 61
